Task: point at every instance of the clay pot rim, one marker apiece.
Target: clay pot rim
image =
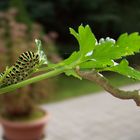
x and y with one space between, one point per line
34 122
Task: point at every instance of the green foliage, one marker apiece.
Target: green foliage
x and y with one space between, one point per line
102 56
86 40
107 50
40 52
129 43
72 72
22 12
124 69
84 33
108 17
98 55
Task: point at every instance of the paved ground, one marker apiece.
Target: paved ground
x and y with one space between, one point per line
94 117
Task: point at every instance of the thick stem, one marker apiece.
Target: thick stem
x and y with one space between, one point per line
103 82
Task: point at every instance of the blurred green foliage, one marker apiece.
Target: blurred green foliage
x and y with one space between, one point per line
22 12
106 16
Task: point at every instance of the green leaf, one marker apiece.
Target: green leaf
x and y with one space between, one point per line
124 69
70 62
40 52
74 33
86 39
107 50
129 43
72 59
96 64
73 73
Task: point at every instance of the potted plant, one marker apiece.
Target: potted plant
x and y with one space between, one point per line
92 58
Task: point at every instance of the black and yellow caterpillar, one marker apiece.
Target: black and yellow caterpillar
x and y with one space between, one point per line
22 68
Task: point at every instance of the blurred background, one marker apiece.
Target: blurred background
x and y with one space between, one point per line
21 21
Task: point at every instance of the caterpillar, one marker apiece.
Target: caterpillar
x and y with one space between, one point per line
22 68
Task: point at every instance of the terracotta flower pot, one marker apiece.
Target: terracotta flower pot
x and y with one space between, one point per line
31 130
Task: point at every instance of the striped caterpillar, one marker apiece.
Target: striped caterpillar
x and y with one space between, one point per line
22 68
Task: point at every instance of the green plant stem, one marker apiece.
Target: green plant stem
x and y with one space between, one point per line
45 69
33 80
